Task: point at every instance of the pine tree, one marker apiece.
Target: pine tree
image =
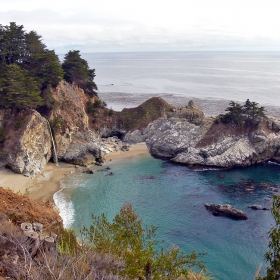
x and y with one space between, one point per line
35 67
18 90
78 72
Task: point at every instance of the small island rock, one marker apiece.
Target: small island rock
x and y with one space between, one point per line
226 210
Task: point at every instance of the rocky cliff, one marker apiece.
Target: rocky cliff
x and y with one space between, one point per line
26 142
25 139
183 135
213 144
75 141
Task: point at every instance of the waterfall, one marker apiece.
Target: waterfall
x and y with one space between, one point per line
54 149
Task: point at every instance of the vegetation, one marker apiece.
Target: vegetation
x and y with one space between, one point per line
122 249
127 240
273 255
78 72
28 68
249 114
2 134
57 123
141 116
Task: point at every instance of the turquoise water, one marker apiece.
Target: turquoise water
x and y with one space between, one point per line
171 197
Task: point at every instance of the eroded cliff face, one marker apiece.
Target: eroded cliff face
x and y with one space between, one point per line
75 142
183 135
27 144
212 144
169 137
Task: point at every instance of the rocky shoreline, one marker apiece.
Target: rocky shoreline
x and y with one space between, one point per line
182 134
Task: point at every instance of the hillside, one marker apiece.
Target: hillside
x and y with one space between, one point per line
19 208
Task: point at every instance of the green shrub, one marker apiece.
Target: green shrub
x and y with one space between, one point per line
127 240
19 123
111 112
273 255
248 114
67 242
2 134
57 123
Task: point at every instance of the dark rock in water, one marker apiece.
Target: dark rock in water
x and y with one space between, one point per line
98 163
87 170
151 177
257 207
226 210
104 169
110 174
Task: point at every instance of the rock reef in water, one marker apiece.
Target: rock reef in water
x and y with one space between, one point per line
226 210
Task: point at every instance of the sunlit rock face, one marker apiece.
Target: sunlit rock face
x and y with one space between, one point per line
75 142
27 145
212 144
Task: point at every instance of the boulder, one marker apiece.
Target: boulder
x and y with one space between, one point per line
226 210
27 146
191 113
169 137
257 207
87 170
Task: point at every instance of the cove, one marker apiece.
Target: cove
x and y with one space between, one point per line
172 198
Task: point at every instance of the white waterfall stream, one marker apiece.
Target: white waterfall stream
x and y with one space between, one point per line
54 149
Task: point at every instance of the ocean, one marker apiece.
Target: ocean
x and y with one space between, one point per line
171 196
211 78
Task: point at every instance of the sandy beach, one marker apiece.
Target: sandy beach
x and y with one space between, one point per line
44 185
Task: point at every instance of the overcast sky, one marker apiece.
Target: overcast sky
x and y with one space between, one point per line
149 25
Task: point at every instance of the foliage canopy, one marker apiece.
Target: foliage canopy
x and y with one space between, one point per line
127 239
78 72
248 114
273 255
27 68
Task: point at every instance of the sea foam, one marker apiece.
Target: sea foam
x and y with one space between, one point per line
63 201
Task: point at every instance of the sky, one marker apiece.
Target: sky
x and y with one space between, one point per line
149 25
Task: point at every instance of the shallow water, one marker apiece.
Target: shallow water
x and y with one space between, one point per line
171 197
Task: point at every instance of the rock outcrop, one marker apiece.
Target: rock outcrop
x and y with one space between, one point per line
226 210
206 142
183 135
75 142
27 145
170 137
191 113
234 150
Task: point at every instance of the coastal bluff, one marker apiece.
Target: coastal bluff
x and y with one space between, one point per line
207 142
26 144
80 126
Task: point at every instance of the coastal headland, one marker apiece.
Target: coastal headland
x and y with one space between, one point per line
86 133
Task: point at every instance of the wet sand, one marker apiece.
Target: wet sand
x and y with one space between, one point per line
44 185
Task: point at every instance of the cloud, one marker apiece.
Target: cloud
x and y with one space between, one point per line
148 25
